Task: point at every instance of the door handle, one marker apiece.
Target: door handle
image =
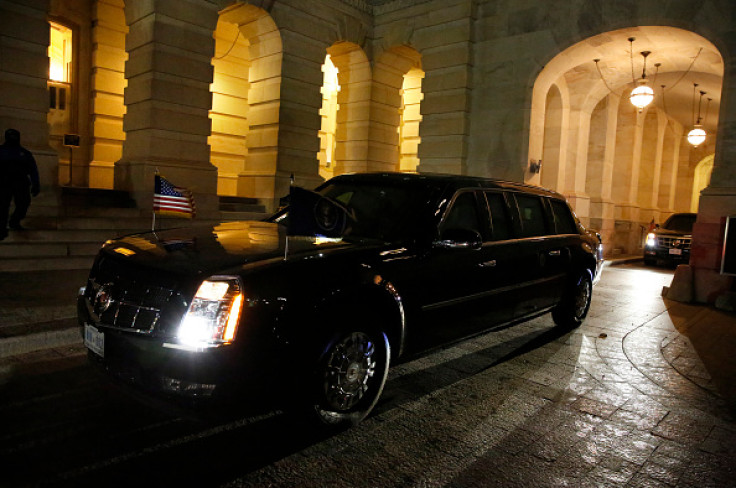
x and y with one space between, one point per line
488 264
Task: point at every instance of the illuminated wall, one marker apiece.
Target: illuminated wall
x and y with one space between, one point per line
229 114
328 113
410 117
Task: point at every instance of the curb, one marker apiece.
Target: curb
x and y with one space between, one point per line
21 344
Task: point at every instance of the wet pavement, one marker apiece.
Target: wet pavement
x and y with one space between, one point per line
628 399
642 394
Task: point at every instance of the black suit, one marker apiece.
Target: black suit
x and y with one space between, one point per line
18 180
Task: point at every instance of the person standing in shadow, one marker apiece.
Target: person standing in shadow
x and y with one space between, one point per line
18 181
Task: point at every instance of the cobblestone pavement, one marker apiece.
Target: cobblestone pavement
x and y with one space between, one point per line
625 400
642 394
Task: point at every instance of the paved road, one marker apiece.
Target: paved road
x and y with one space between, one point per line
634 397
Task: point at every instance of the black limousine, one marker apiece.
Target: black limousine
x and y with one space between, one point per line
391 265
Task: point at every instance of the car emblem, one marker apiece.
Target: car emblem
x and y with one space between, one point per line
103 299
676 243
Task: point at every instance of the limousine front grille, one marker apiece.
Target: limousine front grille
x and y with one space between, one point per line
674 242
118 301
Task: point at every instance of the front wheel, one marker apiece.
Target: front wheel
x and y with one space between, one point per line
350 377
573 308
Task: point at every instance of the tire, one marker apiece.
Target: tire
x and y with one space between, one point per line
650 262
349 378
575 303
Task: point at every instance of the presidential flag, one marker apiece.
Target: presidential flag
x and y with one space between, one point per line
172 200
311 214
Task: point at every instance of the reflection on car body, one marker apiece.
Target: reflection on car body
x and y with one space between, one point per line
210 311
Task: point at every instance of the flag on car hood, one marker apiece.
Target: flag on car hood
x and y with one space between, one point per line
172 200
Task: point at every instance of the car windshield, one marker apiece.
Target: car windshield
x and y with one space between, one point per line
387 211
680 223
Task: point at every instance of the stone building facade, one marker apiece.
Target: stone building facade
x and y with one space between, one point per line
233 98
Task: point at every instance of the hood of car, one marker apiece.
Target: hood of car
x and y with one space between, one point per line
671 233
208 249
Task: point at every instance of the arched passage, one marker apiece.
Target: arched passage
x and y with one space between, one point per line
701 179
643 150
246 98
396 109
349 108
229 114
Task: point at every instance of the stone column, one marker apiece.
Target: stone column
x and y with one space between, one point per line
383 138
446 46
718 200
602 207
107 87
578 140
24 98
354 114
169 70
299 119
658 159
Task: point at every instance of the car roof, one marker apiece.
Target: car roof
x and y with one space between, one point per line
454 182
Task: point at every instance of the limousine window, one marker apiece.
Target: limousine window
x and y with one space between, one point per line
532 216
463 214
500 225
564 221
369 204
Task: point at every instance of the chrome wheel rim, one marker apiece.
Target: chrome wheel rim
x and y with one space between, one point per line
350 367
582 298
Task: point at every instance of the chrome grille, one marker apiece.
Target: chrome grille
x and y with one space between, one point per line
130 306
674 242
118 297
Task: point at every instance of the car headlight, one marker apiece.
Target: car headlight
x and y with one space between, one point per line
212 317
651 239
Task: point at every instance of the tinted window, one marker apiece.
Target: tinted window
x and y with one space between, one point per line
564 221
386 211
500 226
681 223
463 214
532 216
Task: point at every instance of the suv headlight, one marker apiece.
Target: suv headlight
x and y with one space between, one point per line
212 317
651 239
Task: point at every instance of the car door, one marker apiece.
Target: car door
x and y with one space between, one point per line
539 256
446 288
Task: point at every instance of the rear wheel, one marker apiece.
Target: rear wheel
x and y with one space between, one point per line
575 303
350 377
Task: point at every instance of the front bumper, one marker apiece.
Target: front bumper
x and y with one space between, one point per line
159 365
665 254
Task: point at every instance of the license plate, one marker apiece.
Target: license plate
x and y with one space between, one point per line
677 252
94 340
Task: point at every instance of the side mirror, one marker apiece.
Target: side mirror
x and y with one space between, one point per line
459 239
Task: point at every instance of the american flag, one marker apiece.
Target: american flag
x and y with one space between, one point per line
172 200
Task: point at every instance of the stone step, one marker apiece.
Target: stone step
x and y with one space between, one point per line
30 236
91 211
86 223
66 242
49 249
46 263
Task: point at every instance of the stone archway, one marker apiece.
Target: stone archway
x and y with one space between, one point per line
229 113
701 179
638 160
352 118
391 70
257 112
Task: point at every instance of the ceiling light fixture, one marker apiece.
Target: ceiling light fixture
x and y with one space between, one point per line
642 95
697 135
